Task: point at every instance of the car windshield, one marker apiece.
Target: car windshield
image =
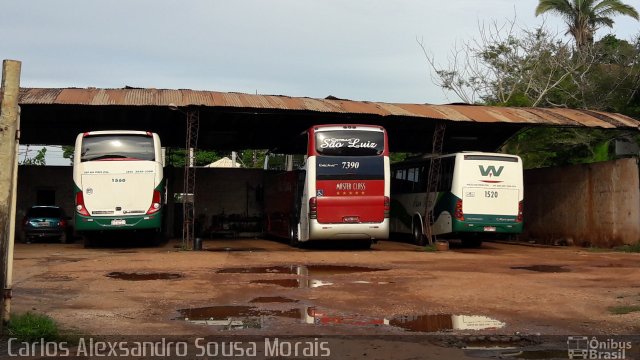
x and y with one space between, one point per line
44 212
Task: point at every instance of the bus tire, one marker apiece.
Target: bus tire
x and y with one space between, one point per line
88 242
293 234
417 234
364 244
472 243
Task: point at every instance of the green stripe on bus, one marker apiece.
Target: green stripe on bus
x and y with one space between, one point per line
132 222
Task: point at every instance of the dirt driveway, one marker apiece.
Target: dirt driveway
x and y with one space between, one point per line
263 287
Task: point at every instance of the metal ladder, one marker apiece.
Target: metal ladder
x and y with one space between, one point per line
433 179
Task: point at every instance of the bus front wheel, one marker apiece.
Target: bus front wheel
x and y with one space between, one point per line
418 235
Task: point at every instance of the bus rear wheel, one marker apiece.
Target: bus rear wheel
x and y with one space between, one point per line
418 237
293 234
89 241
471 242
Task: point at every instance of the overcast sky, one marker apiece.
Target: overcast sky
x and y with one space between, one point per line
355 49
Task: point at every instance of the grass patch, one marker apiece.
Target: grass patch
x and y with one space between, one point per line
430 248
629 248
598 250
624 248
32 327
624 309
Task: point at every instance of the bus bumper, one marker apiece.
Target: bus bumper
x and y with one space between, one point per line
363 231
487 227
114 223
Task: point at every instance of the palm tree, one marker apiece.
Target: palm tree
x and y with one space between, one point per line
584 17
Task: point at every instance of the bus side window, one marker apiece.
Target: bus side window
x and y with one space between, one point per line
446 174
396 181
423 178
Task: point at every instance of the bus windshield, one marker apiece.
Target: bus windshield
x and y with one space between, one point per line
98 147
349 143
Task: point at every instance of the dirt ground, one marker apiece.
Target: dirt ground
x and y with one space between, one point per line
266 288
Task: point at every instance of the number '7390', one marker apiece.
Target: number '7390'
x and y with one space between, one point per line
350 164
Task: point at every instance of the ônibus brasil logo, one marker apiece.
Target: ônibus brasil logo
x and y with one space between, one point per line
491 171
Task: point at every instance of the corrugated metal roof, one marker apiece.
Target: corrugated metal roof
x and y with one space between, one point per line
183 98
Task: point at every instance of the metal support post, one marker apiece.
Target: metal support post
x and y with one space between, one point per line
9 138
191 143
433 179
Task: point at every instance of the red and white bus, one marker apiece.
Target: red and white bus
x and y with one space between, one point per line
340 193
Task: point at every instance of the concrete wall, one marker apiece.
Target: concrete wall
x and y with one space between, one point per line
53 179
593 204
218 191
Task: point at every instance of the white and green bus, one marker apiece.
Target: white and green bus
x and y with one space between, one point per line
119 183
479 195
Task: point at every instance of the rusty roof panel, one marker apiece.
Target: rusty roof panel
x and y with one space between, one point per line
583 117
361 107
186 97
102 97
169 97
76 96
231 99
39 96
394 109
277 102
316 105
199 97
419 110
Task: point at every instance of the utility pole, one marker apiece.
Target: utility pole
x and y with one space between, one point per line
9 137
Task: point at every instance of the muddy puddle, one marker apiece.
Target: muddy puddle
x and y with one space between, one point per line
272 299
246 316
294 283
234 316
305 270
543 268
224 249
518 353
142 276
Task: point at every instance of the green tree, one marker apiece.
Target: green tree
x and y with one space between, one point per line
505 67
178 157
584 17
38 159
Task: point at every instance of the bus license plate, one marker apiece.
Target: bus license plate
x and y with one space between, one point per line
489 228
118 222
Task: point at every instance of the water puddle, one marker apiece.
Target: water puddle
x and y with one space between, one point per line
224 249
443 322
273 299
245 316
141 276
517 353
293 283
63 259
543 268
234 316
305 270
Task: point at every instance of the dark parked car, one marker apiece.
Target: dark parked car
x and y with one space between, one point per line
46 222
